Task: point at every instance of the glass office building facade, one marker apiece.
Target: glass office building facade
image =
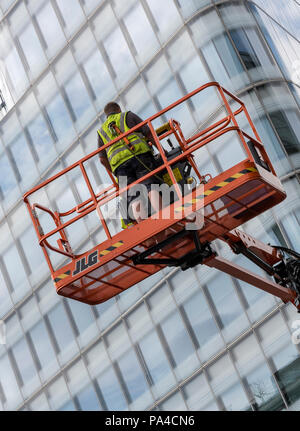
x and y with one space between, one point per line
194 340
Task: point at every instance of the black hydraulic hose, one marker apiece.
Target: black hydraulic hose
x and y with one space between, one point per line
287 250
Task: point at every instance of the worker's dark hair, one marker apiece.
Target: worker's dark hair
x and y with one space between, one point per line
112 108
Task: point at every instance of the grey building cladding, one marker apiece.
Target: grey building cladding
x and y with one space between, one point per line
197 340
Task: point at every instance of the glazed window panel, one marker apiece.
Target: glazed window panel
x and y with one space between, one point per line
28 40
99 79
256 374
287 13
287 125
59 396
198 395
230 60
227 306
285 48
28 372
48 25
203 325
142 35
250 45
189 7
33 254
215 64
81 388
261 51
120 57
38 133
285 376
88 400
276 342
55 111
18 279
9 189
40 403
149 282
11 396
111 391
184 285
245 49
84 321
94 68
138 100
64 339
185 61
128 298
291 226
60 120
264 389
135 381
77 96
166 16
107 312
221 58
23 161
69 406
174 403
163 86
273 146
5 300
180 345
114 46
44 350
74 91
72 15
226 385
90 5
11 65
157 364
5 4
258 301
161 303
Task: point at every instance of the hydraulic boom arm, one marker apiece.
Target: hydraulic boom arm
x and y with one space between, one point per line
285 271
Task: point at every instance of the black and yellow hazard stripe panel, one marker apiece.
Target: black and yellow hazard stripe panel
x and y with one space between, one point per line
215 188
81 266
62 276
111 248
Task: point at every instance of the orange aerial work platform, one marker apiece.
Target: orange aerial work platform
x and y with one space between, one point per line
204 208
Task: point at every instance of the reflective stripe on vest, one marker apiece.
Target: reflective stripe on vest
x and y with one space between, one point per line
119 152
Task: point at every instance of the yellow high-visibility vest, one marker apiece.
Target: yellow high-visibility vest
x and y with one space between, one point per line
119 152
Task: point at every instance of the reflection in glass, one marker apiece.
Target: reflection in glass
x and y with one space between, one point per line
228 308
64 340
157 363
111 391
26 368
135 381
180 345
88 400
44 350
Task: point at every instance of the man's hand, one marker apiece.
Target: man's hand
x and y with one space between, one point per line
151 139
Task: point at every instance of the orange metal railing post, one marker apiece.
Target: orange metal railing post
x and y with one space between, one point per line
233 119
166 163
93 196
